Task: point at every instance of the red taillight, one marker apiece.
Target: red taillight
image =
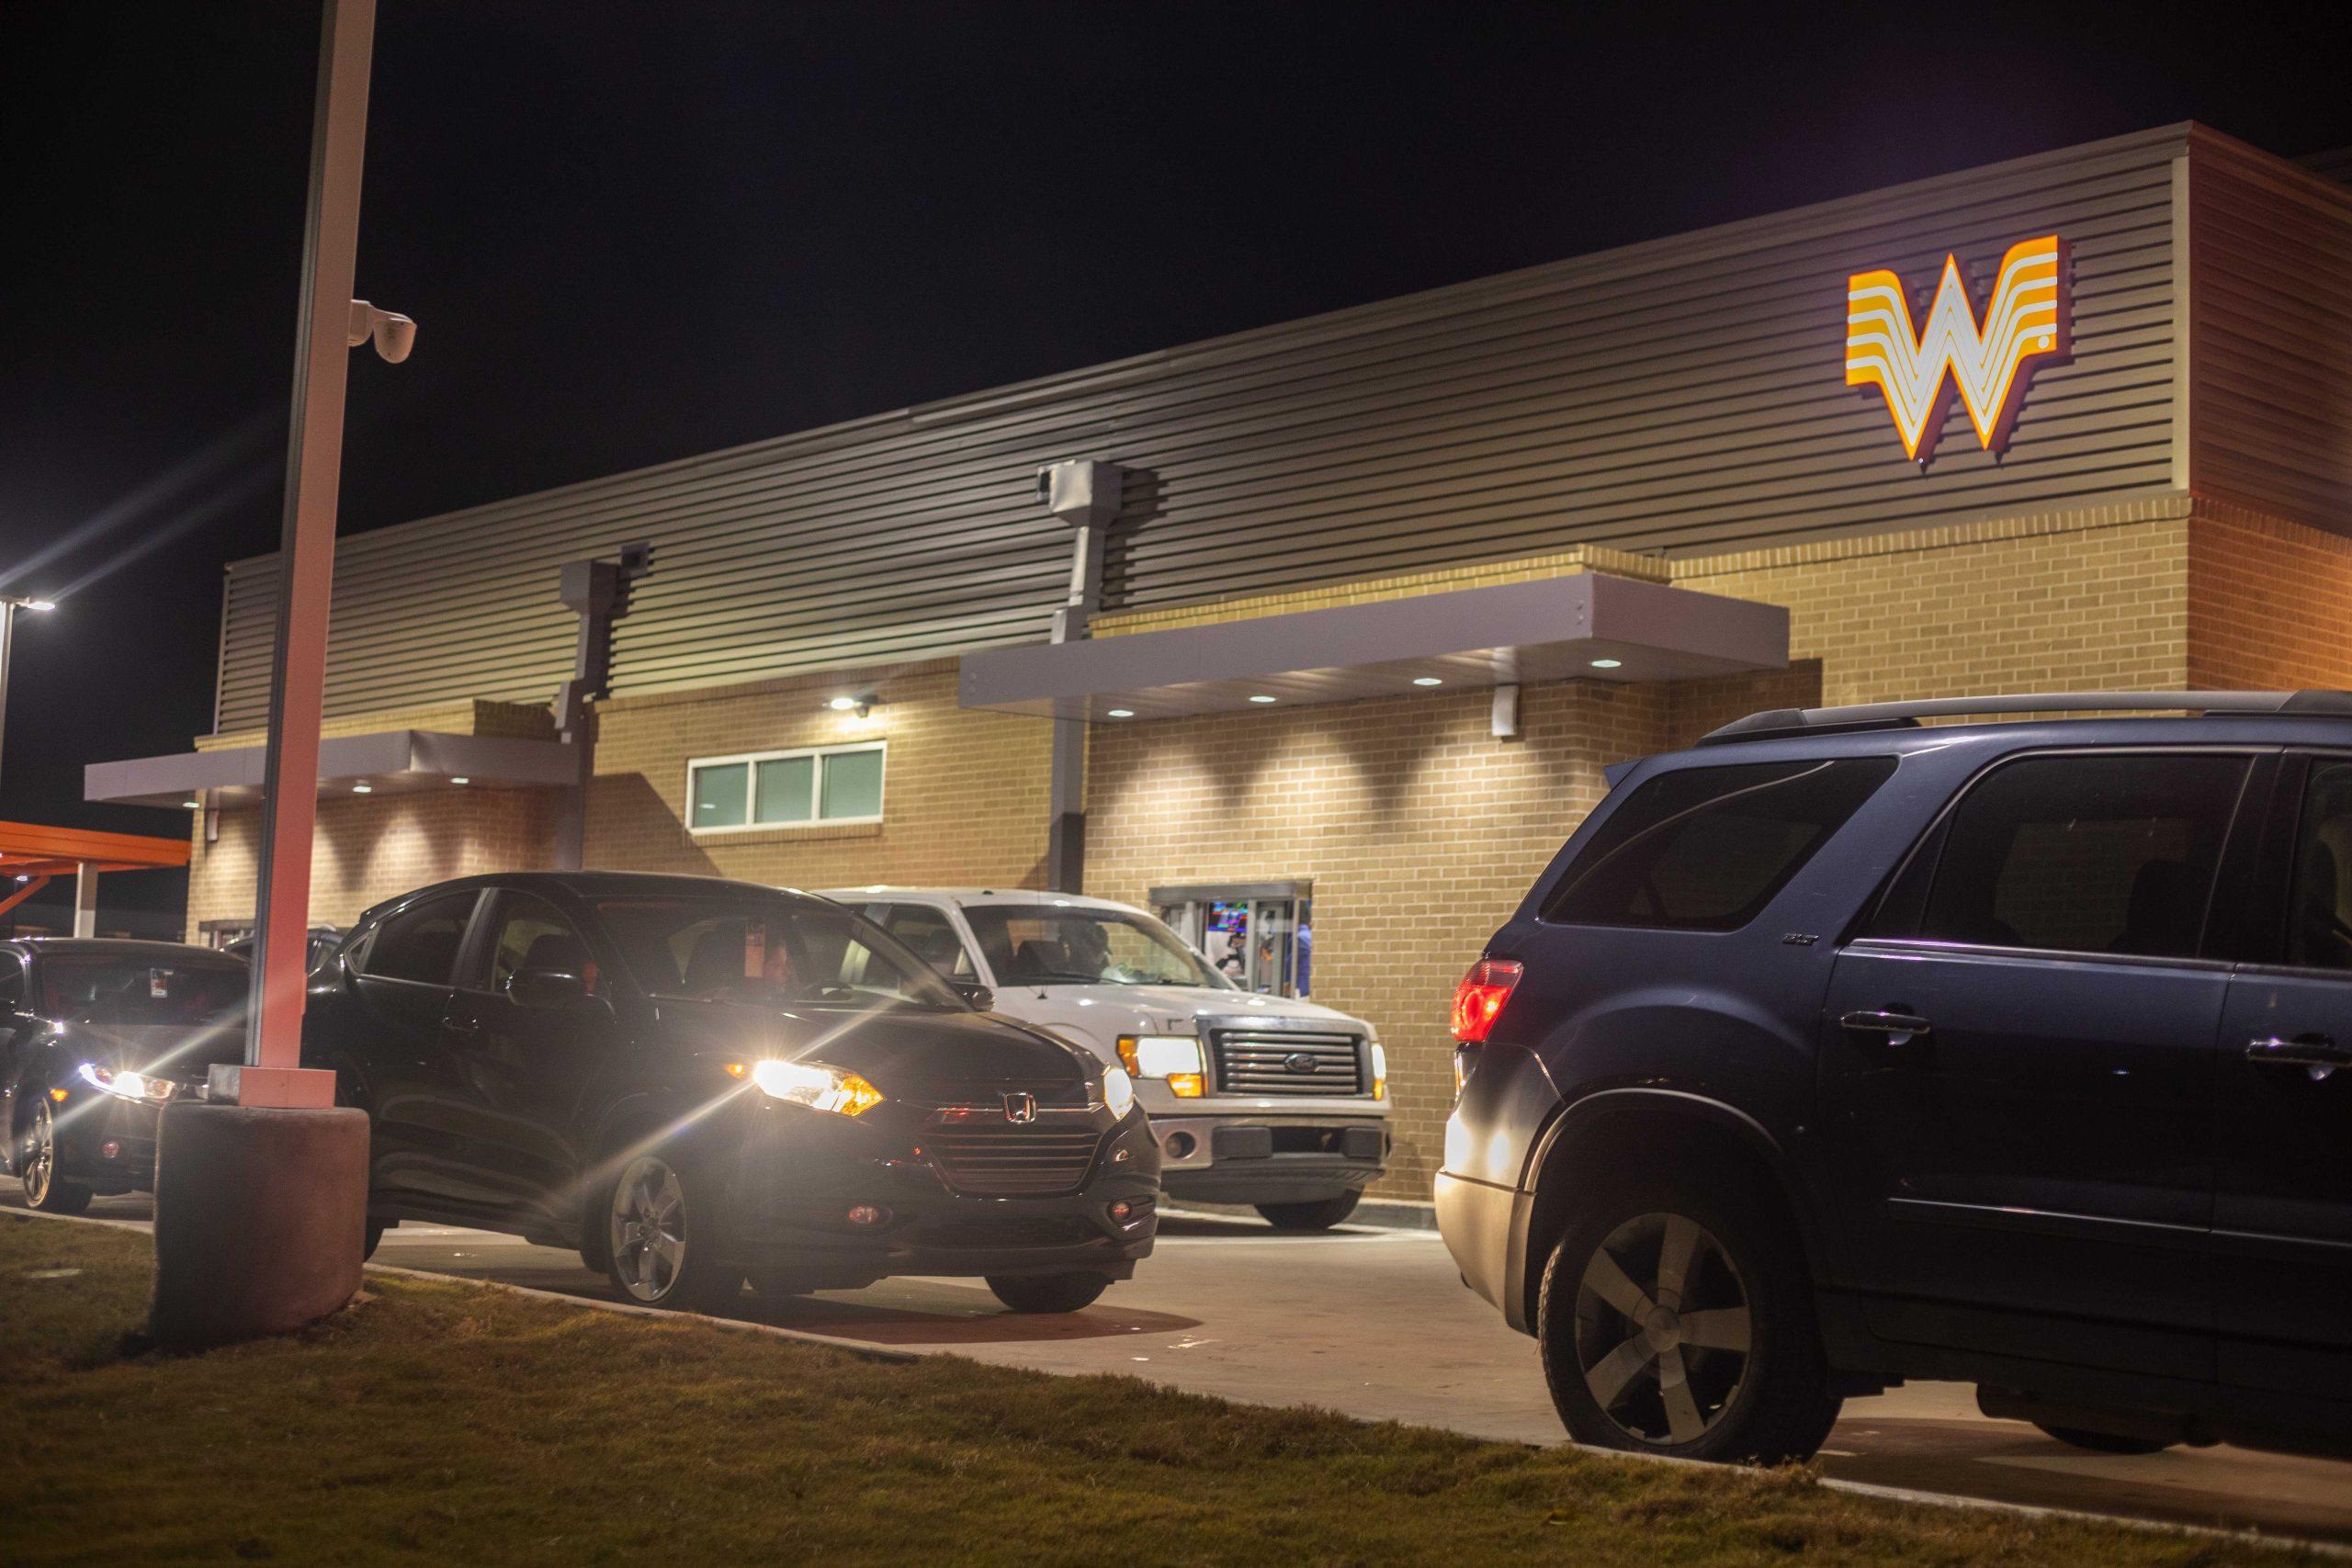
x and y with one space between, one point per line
1479 1000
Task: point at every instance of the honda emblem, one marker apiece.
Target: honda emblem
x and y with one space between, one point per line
1020 1107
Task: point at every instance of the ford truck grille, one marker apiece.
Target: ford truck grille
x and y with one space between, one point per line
1287 1061
1013 1162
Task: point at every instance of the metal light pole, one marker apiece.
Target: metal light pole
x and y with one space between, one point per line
273 1075
9 608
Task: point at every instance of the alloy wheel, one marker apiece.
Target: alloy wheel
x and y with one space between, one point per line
39 1162
1664 1324
649 1228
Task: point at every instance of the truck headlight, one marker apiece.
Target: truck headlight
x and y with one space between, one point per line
146 1091
1118 1092
1379 1071
816 1085
1175 1057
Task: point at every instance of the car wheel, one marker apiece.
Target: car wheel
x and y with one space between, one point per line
36 1165
660 1240
1679 1320
2102 1442
1048 1292
1316 1216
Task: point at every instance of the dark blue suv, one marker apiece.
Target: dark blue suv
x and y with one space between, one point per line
1840 1050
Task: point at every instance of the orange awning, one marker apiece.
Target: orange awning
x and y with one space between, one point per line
29 849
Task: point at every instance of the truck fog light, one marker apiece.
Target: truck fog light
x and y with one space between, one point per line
1180 1145
868 1214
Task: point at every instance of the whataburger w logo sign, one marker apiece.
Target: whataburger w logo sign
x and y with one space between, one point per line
2025 322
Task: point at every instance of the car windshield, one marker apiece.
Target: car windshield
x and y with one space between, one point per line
1047 944
103 989
773 951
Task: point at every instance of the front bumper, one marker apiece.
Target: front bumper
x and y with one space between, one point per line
800 1173
1270 1154
106 1143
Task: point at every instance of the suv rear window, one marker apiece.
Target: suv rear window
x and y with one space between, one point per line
1705 849
2075 854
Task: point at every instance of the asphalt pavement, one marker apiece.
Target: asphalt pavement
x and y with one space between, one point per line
1376 1324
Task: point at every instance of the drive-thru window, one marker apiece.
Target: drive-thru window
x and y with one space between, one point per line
1260 935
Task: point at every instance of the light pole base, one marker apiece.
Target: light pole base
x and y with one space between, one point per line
260 1213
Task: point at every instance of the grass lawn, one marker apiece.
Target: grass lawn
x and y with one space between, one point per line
443 1423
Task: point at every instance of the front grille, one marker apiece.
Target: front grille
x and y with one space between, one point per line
1287 1061
1007 1161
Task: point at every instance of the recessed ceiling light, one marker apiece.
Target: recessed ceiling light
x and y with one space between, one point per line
192 805
363 789
1262 699
1427 681
1608 663
1123 713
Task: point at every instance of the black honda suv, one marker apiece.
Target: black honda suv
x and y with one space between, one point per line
1840 1050
695 1081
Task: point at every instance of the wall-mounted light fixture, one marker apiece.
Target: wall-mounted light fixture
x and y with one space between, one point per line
862 706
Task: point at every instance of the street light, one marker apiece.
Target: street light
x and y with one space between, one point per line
9 606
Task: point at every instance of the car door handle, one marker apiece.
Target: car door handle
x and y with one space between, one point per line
1890 1024
2303 1051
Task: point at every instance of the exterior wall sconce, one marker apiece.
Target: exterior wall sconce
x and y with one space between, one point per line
862 706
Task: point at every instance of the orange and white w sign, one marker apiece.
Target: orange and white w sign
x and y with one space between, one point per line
2025 321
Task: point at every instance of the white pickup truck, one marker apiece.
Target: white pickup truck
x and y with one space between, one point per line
1259 1100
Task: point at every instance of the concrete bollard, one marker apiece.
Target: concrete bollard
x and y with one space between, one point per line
259 1218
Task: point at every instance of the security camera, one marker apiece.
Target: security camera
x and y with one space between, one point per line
394 334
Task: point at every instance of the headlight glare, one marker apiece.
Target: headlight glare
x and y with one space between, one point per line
816 1086
137 1087
1118 1091
1175 1057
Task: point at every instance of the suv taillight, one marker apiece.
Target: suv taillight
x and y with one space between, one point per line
1479 1000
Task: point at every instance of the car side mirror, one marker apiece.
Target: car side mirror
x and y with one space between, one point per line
550 989
972 991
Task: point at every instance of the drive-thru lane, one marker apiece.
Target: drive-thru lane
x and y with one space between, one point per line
1375 1323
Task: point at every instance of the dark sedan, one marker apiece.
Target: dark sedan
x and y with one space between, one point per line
95 1035
693 1082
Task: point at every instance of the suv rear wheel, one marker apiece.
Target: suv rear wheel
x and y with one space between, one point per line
1678 1319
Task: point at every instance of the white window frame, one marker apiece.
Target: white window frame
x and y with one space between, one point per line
816 788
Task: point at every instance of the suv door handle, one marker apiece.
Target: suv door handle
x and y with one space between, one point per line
2304 1051
1888 1024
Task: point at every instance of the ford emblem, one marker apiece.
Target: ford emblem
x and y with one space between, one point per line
1299 1062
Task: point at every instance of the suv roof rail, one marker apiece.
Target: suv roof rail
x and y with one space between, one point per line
1775 722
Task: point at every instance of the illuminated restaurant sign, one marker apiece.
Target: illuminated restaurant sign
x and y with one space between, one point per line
2025 322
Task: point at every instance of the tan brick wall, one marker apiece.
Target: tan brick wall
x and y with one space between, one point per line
964 792
369 849
2270 605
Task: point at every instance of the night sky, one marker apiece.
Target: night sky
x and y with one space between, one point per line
635 232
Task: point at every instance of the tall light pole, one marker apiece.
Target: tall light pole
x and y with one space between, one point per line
9 608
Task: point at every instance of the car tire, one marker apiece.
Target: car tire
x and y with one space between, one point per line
1643 1262
662 1238
2102 1442
1319 1215
1048 1292
36 1165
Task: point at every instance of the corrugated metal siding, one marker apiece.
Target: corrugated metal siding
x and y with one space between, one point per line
2270 283
1684 395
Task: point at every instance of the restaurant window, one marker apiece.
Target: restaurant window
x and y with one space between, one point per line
779 789
1260 935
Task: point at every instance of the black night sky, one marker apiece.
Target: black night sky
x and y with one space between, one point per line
633 233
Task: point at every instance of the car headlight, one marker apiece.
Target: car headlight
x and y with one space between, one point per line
1379 1071
146 1091
1175 1057
814 1085
1118 1091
